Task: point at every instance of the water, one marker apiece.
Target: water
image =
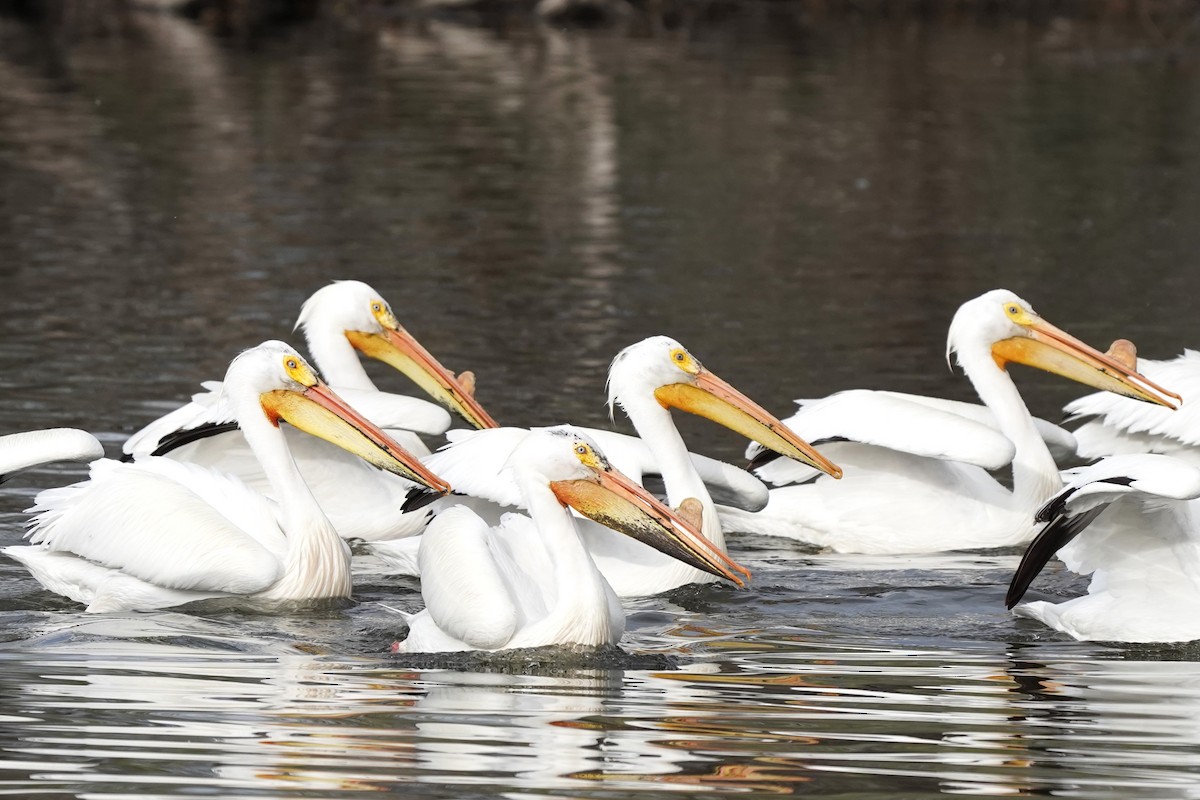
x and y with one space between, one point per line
802 200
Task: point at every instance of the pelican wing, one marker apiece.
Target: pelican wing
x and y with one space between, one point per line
728 484
20 451
891 421
890 502
466 591
397 411
1148 541
1122 425
1060 441
170 524
209 413
207 408
475 463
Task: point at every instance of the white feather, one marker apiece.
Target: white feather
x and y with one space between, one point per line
916 469
157 532
1120 425
523 583
363 503
20 451
1143 553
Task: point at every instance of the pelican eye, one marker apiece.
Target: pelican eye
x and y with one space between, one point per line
383 315
298 370
589 457
1012 309
682 359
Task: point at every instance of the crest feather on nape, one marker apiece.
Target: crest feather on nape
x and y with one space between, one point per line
309 307
608 383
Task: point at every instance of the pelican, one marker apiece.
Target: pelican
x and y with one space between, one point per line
917 468
21 451
339 321
1119 426
646 379
530 582
1141 546
156 532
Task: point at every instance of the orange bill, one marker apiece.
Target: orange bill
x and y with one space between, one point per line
714 399
319 411
616 502
1054 350
397 347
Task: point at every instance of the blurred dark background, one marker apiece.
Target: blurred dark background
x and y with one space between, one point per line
801 192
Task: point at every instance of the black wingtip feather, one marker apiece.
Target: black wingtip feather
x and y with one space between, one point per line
1053 538
417 498
765 456
761 459
179 438
1057 505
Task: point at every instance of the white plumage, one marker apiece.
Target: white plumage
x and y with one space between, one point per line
917 469
158 532
362 503
527 581
1132 523
644 379
1117 425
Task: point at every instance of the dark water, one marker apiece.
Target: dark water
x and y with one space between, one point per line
801 202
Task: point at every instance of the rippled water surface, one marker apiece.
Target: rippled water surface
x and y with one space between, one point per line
802 200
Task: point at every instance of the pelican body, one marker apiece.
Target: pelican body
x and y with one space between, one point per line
157 532
1133 523
917 468
646 380
339 322
529 581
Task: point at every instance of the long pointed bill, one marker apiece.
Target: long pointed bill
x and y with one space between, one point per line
1057 351
714 399
320 412
399 349
616 502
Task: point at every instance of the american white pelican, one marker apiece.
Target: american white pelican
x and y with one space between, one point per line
339 321
1120 426
1143 552
646 379
20 451
156 532
917 468
529 582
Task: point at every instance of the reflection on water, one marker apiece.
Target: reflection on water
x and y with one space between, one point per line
803 204
157 704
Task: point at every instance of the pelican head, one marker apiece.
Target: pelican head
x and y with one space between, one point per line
286 388
1003 324
663 368
581 477
355 310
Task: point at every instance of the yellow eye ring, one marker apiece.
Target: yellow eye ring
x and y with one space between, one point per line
291 363
581 449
